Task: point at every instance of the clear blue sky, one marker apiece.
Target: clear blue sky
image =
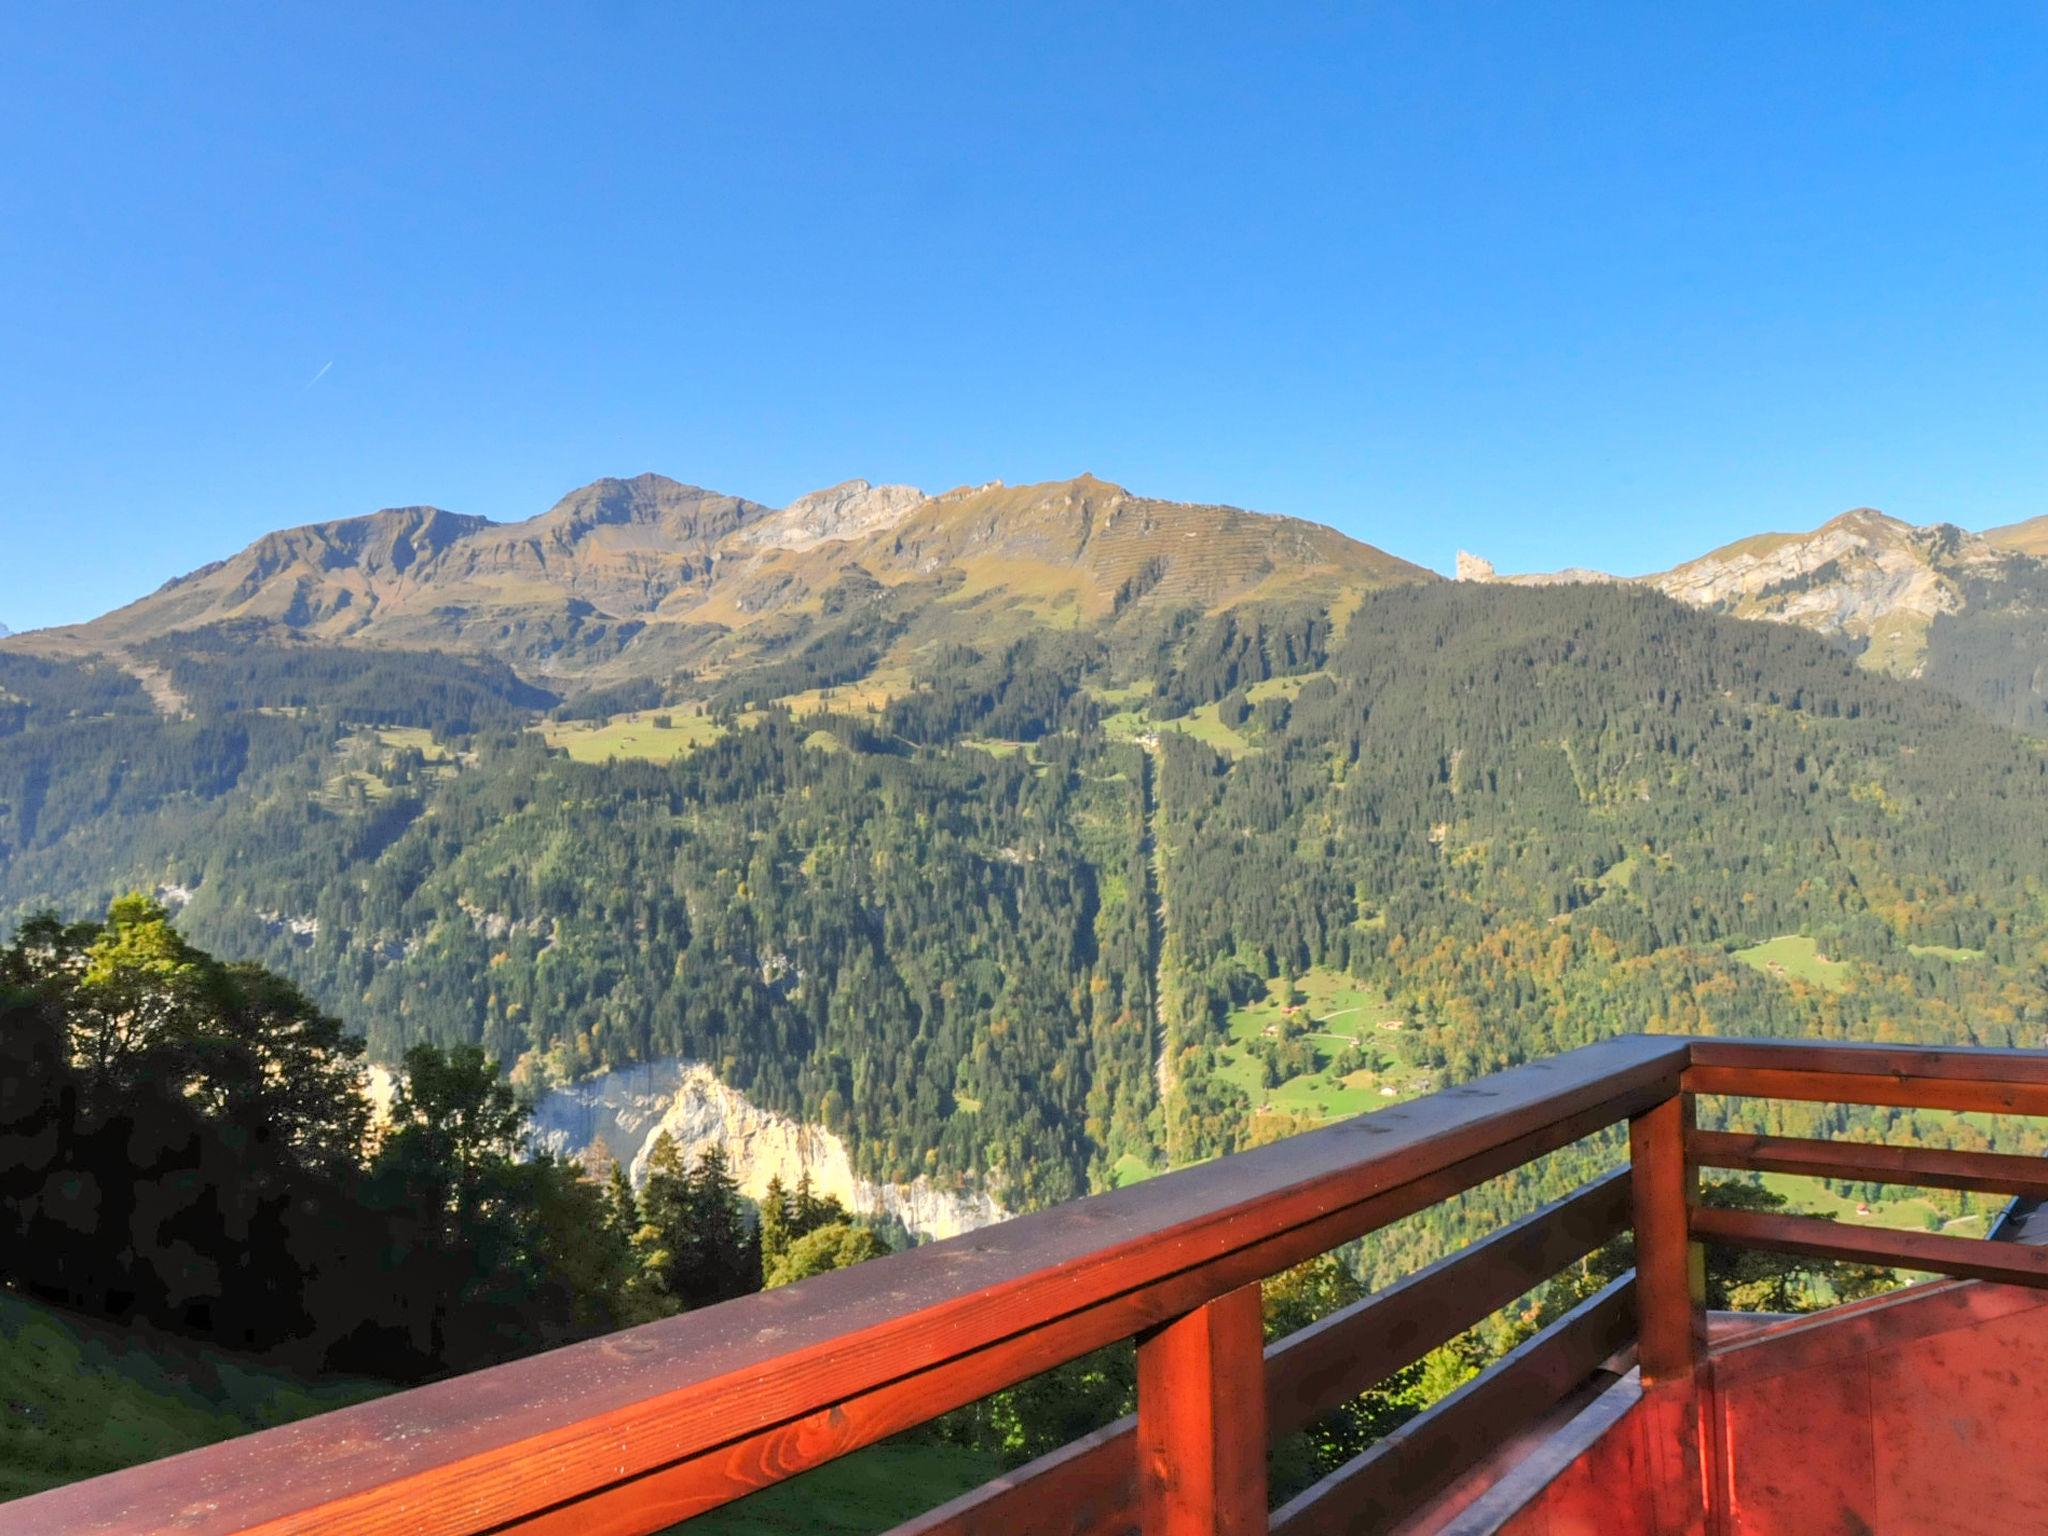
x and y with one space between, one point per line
1600 285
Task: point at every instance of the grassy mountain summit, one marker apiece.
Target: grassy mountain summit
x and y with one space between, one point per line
644 577
2029 537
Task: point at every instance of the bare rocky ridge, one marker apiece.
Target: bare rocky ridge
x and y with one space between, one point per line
844 511
1472 568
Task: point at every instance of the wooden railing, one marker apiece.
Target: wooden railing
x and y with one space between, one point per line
648 1427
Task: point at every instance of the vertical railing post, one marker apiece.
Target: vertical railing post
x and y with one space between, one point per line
1201 1447
1669 1296
1670 1317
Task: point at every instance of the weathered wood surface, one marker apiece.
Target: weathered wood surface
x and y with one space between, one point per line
654 1424
1902 1089
1921 1063
1671 1323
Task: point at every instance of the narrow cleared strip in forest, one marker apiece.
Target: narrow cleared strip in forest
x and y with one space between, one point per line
1155 912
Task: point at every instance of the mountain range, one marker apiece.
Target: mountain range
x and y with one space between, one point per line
685 589
647 576
1014 836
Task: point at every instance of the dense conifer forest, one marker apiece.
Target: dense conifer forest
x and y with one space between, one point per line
1511 821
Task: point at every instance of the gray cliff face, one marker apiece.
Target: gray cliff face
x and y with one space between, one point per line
631 1107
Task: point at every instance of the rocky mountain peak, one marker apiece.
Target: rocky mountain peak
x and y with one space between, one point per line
848 510
1472 568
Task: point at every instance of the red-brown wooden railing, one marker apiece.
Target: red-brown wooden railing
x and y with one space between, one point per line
644 1428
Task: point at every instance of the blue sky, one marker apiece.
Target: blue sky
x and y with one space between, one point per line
1601 285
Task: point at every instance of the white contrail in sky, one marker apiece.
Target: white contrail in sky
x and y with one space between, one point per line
318 376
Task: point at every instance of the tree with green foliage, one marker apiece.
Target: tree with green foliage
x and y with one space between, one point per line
840 1245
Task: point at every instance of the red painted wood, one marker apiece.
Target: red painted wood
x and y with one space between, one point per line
652 1424
1928 1167
1982 1095
1922 1413
1922 1063
1200 1445
1375 1490
1089 1488
1672 1323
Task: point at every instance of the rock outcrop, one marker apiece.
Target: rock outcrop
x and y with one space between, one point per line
849 510
630 1107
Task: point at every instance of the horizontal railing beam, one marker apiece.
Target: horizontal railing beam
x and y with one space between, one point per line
1815 1237
1088 1488
1385 1484
1976 1094
1998 1173
1907 1063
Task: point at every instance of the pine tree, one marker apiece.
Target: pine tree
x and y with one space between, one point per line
723 1256
664 1238
773 1229
622 1207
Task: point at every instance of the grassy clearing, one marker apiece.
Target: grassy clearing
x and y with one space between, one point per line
1949 952
632 736
1339 1013
419 739
79 1398
868 1491
1902 1212
1206 724
1793 956
1129 695
875 692
1131 1169
1281 687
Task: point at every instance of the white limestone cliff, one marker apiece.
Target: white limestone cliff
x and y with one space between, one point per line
630 1107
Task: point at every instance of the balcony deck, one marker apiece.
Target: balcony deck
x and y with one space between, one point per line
1917 1413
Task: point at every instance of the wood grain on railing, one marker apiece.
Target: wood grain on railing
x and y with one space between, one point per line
640 1429
1999 1173
1919 1063
1661 1192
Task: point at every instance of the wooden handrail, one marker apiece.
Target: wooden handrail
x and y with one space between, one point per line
643 1428
1089 1488
1900 1076
647 1427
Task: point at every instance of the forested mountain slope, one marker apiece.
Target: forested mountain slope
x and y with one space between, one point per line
1966 611
1360 847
